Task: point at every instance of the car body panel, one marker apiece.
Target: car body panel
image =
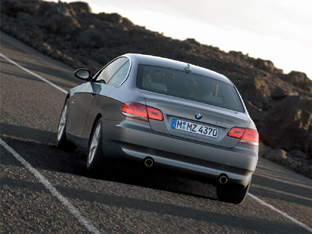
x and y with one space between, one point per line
211 160
129 138
213 116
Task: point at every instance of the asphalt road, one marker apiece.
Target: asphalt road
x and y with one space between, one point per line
47 190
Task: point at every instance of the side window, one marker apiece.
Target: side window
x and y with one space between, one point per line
120 75
111 69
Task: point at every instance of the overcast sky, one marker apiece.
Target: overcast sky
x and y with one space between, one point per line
277 30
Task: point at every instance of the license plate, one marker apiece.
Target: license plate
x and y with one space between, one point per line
194 128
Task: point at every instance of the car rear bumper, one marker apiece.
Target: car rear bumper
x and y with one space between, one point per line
138 142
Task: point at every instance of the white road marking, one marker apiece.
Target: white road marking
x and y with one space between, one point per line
73 210
34 74
280 212
84 221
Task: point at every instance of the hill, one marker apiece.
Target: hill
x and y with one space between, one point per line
280 104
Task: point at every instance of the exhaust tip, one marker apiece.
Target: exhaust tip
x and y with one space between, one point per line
148 162
223 179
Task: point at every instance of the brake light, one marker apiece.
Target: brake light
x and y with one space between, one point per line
246 136
141 112
236 132
250 137
154 113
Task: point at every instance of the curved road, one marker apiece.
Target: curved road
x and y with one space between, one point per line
47 190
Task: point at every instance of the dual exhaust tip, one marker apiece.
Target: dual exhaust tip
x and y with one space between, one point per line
222 179
148 162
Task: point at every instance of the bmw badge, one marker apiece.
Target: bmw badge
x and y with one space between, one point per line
198 115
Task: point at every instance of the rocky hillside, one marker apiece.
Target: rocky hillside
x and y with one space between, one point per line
280 104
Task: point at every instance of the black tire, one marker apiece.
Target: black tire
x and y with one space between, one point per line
95 158
232 193
61 140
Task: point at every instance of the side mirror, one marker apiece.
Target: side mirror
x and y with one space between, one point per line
83 74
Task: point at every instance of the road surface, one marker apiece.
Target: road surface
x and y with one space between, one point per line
47 190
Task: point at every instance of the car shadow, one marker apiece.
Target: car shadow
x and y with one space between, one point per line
39 149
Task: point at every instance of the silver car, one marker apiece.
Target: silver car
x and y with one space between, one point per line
162 112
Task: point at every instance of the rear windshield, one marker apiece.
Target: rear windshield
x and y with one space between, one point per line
189 86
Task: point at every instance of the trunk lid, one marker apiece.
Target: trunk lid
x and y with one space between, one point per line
211 125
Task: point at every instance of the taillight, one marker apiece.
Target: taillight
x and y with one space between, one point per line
154 113
250 137
246 135
134 110
236 132
141 112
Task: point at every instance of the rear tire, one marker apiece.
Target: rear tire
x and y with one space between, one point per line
232 193
61 140
95 158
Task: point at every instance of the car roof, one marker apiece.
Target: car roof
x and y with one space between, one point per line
174 64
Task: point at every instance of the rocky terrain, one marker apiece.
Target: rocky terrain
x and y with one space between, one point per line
280 104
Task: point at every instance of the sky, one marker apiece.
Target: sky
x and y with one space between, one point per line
276 30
